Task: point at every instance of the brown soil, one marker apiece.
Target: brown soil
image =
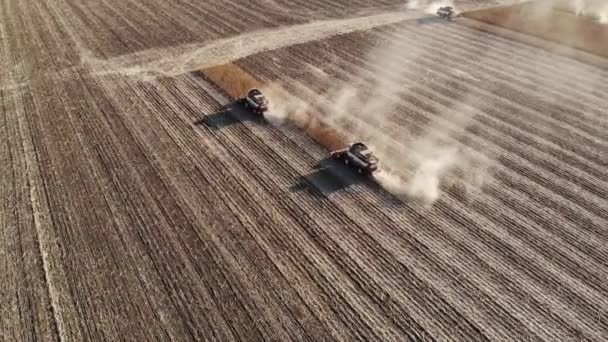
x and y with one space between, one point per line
122 217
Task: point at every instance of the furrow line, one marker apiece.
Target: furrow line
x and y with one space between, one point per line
501 84
230 300
536 71
525 50
572 107
394 130
496 95
320 280
287 322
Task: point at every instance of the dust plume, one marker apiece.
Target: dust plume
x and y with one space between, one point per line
414 163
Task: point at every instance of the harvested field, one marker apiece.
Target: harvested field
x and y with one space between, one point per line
135 206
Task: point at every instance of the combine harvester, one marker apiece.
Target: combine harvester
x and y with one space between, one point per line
446 12
358 156
255 101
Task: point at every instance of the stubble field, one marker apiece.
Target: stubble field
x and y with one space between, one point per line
135 205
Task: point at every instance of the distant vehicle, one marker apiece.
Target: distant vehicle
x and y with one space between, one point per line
358 156
446 12
255 101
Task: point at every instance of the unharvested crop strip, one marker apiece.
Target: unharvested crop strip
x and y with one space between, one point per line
555 65
435 97
574 221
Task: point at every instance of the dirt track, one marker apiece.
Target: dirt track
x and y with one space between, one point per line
135 208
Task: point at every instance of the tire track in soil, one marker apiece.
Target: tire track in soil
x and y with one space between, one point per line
72 90
25 312
157 176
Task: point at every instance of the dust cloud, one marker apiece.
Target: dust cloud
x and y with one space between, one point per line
429 6
415 162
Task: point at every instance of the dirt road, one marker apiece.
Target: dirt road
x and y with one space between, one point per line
135 208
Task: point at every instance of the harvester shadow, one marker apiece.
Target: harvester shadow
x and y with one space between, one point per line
327 177
228 115
432 21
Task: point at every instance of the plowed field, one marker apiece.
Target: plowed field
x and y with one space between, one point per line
135 205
